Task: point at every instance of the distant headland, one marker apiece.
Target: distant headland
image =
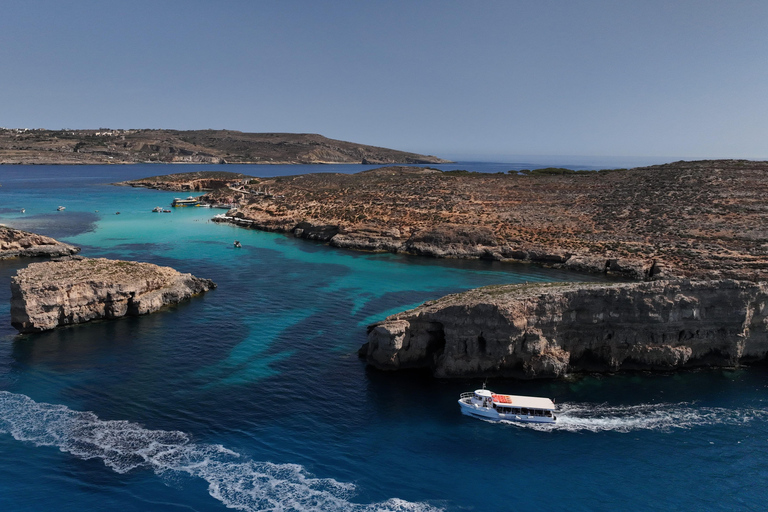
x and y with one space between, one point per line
24 146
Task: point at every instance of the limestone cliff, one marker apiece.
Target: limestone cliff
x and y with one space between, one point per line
51 294
536 331
15 243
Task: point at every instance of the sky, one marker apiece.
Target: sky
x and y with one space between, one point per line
486 80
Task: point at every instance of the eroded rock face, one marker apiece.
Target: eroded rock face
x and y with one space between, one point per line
15 243
549 330
51 294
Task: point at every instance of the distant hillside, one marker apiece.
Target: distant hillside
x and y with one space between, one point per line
104 146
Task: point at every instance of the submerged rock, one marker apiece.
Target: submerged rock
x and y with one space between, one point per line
56 293
532 331
15 243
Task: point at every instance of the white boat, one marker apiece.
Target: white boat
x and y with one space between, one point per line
61 208
485 404
157 209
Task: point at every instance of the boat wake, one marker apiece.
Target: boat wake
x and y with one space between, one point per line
579 417
234 480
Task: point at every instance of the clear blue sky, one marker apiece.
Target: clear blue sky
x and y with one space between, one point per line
463 79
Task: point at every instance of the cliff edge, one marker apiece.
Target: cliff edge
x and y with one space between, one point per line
56 293
545 331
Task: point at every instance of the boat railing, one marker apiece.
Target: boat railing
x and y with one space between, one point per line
466 395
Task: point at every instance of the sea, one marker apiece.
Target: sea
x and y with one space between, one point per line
252 396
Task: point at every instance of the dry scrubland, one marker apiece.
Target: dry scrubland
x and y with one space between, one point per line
703 219
105 146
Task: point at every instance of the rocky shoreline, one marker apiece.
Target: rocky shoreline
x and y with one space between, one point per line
449 242
15 243
551 330
56 293
698 220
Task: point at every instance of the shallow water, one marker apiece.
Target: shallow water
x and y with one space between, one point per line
252 397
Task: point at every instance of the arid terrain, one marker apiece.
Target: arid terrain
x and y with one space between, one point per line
106 146
703 219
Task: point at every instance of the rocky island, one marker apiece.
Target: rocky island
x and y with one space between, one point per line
15 243
56 293
107 146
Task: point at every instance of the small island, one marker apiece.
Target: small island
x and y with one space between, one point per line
56 293
15 243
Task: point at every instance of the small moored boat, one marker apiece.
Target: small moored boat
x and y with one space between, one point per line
61 208
485 404
157 209
238 244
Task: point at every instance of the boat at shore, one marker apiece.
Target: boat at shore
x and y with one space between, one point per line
487 405
190 201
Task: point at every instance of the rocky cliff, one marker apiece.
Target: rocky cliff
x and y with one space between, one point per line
51 294
15 243
526 331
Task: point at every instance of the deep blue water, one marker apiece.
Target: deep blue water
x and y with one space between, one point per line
252 396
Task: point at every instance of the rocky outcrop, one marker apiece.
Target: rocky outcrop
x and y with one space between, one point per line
56 293
533 331
21 244
196 181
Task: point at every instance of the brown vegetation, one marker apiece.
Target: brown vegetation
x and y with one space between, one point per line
106 146
699 219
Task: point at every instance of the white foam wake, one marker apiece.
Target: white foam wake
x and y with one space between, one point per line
575 417
234 480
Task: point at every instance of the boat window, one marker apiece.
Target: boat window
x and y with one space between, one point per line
548 413
524 411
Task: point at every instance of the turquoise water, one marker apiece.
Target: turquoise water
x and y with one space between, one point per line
252 397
